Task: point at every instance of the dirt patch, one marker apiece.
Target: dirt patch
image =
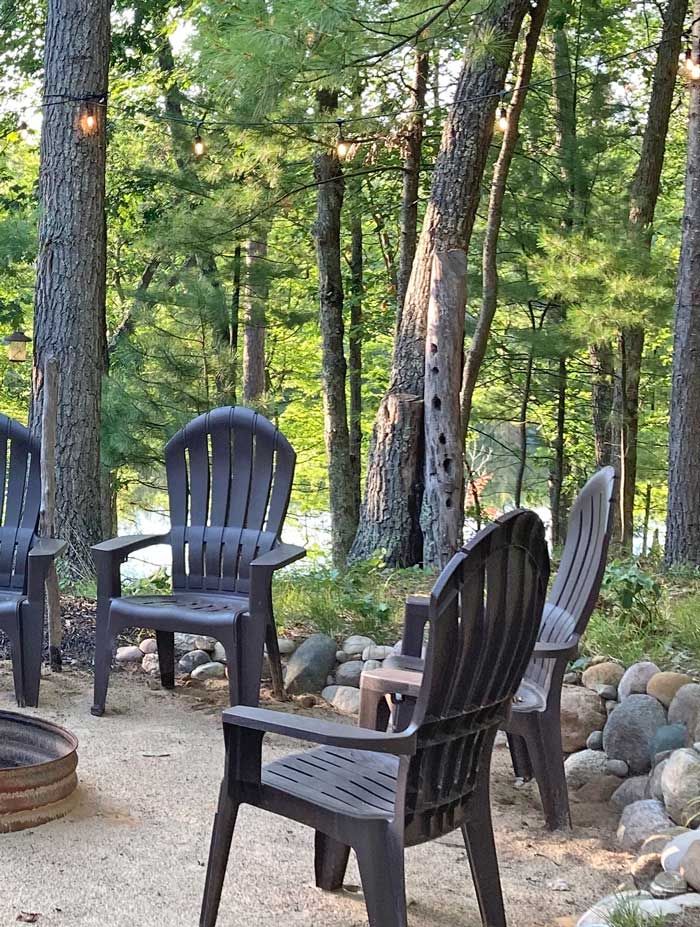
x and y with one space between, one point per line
134 849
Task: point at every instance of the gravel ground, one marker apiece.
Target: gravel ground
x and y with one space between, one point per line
133 849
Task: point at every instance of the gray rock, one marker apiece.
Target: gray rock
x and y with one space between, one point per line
610 706
129 655
668 738
310 664
343 698
377 652
630 791
149 645
584 766
630 729
219 653
571 679
210 670
191 660
636 679
372 665
348 674
668 884
609 693
150 663
205 643
685 708
680 782
640 820
595 741
654 789
342 657
581 714
674 852
184 643
617 768
330 680
356 643
286 646
690 866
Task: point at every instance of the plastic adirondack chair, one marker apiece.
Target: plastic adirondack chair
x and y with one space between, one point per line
230 475
534 727
24 557
378 792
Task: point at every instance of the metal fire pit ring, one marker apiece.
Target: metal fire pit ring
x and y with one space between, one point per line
38 760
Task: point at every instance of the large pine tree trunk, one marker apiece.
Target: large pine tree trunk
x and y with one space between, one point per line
489 259
254 307
644 193
330 191
355 351
447 226
602 392
683 519
69 320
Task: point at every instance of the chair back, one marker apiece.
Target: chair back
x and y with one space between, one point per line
230 475
20 501
485 611
575 589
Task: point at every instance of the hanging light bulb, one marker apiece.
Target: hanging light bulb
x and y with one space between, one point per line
88 120
342 145
198 145
688 58
502 121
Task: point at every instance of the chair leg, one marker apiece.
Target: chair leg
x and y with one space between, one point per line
545 749
233 669
104 645
219 850
380 855
330 862
522 767
32 642
370 700
273 658
481 851
166 658
13 635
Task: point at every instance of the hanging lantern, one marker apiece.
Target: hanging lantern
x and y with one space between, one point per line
16 347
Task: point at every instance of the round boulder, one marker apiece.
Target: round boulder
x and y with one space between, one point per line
630 729
148 645
636 679
630 791
676 848
310 664
210 670
680 783
603 674
685 708
595 741
640 820
356 643
664 686
668 738
583 767
348 674
690 866
129 655
191 660
345 699
581 713
654 789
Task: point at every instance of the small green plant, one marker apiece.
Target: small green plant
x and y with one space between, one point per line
157 583
627 913
632 594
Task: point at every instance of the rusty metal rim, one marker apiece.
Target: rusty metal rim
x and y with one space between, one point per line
28 721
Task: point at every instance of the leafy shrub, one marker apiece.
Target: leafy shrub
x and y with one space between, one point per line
632 594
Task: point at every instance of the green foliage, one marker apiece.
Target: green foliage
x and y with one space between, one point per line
631 594
627 914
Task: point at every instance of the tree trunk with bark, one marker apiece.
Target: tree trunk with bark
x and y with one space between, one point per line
254 308
447 226
644 194
489 297
602 396
411 177
69 319
330 190
683 517
355 351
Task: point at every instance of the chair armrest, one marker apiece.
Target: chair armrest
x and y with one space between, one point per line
280 556
122 547
320 732
416 617
551 650
47 549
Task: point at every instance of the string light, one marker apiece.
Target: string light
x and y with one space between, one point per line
342 146
198 143
688 58
502 117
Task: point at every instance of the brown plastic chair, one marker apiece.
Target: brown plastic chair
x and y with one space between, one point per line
230 475
24 557
534 727
377 792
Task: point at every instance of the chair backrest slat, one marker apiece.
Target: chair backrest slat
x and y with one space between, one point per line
230 475
485 611
20 500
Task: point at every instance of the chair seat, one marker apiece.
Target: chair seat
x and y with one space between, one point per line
179 608
530 697
350 782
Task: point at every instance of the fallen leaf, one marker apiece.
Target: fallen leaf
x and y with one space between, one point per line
28 917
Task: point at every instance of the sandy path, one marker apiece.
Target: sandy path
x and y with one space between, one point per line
134 848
